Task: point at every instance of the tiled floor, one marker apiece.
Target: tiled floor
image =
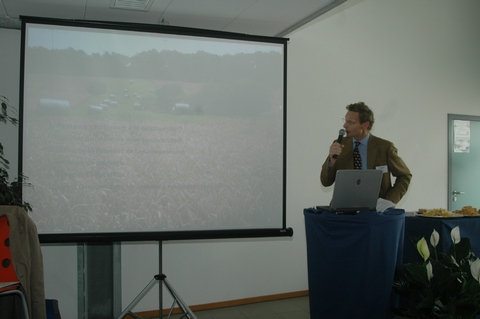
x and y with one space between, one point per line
294 308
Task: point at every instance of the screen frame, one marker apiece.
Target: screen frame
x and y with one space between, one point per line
110 237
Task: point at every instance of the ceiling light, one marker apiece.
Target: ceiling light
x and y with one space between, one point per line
139 5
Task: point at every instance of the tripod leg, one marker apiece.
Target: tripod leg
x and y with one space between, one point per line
177 298
138 298
187 312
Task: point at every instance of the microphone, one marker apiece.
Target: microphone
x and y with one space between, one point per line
341 133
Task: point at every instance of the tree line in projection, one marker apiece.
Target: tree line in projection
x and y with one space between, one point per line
245 84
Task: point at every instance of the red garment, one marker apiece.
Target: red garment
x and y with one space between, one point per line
27 258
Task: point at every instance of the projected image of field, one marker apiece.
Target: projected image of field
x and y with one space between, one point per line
120 160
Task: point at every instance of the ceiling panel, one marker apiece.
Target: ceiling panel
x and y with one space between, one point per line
99 10
258 17
68 9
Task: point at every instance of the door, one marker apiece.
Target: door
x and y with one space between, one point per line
463 161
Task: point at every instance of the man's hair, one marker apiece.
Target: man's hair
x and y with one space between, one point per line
364 113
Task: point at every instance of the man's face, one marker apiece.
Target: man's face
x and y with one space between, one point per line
353 127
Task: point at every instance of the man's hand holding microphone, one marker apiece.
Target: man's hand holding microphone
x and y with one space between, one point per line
337 147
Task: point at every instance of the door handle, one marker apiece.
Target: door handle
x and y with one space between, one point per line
458 193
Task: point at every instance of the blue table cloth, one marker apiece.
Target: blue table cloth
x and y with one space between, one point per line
352 261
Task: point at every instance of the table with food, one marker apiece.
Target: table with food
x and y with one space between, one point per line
442 212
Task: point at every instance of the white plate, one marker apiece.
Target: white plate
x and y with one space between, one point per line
469 215
454 216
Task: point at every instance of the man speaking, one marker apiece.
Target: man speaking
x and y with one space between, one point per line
362 150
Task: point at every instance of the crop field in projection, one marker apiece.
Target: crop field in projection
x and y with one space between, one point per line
132 165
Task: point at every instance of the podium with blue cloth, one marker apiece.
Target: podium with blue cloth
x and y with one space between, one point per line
351 262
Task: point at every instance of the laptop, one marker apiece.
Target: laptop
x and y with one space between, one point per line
355 190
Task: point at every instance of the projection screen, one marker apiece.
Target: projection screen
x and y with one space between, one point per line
136 132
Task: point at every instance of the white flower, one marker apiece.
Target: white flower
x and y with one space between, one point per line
422 248
429 271
434 238
455 234
475 269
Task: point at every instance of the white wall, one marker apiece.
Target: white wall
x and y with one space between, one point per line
411 61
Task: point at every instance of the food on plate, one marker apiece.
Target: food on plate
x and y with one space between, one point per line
468 211
442 212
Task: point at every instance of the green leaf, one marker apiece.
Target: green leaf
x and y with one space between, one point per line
10 193
418 272
462 249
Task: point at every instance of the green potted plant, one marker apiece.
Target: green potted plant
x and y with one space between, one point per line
10 192
442 285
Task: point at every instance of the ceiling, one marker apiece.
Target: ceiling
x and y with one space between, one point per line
257 17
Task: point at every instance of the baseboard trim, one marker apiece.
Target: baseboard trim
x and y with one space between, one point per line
223 304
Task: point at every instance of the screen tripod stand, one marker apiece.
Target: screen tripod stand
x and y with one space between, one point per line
160 278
